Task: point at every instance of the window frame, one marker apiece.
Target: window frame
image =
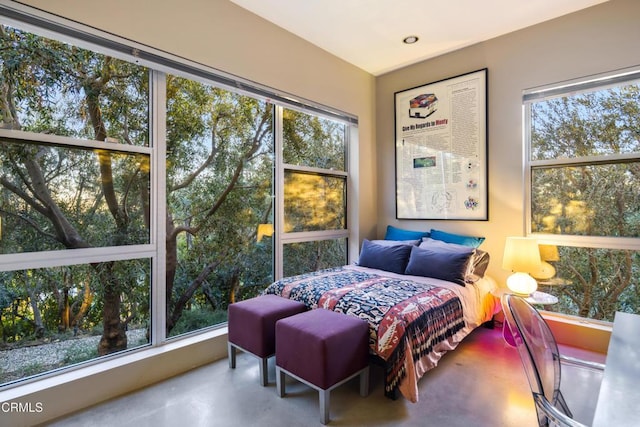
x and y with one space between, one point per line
45 259
281 237
572 87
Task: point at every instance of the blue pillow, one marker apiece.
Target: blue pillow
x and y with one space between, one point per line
458 239
446 265
479 258
396 242
394 233
435 245
388 258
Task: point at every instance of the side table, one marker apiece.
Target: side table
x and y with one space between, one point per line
535 298
541 298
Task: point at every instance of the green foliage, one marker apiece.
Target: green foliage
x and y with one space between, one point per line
16 329
32 368
590 198
6 295
597 200
192 320
313 141
78 352
312 256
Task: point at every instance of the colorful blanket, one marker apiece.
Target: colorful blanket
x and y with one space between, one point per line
403 316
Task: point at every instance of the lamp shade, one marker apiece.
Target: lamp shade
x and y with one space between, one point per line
521 255
549 253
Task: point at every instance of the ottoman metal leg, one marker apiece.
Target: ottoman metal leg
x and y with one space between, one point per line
280 382
364 382
324 394
264 374
232 355
325 404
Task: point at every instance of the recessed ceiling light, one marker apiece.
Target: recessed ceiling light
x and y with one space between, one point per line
410 39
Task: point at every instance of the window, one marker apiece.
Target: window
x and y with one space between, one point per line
314 193
315 255
584 174
141 194
219 187
74 199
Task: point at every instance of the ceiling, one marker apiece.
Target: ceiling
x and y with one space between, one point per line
369 33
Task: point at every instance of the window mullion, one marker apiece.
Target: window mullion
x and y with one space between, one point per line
278 218
157 137
317 171
587 160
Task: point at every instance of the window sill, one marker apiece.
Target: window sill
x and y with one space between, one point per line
587 334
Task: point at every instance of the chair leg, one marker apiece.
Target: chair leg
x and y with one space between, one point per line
280 382
364 382
231 349
325 401
264 373
563 404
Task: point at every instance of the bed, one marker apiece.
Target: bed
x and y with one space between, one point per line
414 318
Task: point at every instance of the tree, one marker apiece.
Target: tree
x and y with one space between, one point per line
48 86
598 199
219 187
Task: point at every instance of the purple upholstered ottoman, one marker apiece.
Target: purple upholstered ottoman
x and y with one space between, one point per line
323 349
252 327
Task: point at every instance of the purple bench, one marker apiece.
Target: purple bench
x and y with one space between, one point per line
322 349
252 327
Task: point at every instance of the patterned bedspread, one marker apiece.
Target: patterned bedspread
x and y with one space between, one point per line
404 316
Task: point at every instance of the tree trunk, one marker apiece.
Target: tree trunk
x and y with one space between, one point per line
114 337
37 317
87 298
65 315
171 266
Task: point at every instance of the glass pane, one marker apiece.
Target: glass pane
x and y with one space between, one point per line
219 193
588 124
314 202
590 200
56 317
313 141
299 258
54 197
595 283
61 89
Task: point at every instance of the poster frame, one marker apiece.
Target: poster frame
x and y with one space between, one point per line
441 149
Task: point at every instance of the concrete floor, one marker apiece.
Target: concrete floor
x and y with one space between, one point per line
481 383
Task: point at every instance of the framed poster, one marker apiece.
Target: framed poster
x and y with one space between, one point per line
441 149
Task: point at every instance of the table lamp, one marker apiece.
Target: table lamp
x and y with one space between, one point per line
522 257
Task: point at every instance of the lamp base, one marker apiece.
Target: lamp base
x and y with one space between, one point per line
522 284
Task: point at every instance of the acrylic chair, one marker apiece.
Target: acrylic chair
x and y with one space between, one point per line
541 360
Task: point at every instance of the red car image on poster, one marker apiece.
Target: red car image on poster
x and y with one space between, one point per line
422 106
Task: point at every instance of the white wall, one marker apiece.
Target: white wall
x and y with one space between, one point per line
599 39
